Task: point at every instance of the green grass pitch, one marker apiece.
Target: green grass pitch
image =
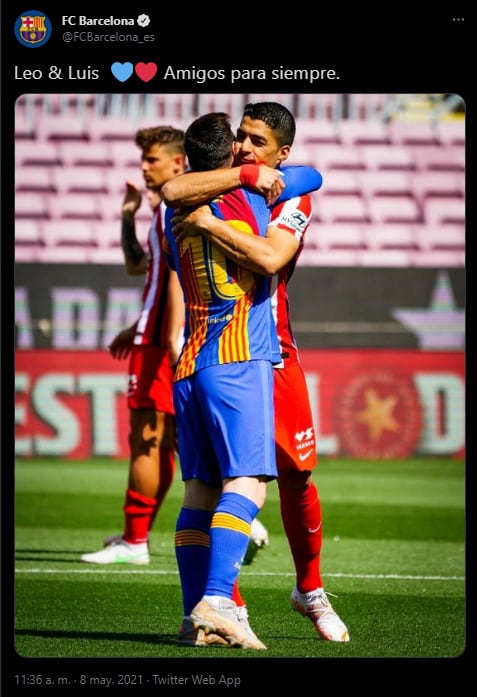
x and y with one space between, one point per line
393 557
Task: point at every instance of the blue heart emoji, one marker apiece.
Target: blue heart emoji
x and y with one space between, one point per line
122 71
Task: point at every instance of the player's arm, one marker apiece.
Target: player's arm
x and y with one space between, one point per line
135 257
193 188
299 180
175 301
120 346
264 255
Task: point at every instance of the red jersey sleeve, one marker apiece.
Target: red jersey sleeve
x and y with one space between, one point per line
293 215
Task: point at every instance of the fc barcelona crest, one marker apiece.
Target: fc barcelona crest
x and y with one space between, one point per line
33 29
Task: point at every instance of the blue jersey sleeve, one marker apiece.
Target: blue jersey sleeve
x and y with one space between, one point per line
299 180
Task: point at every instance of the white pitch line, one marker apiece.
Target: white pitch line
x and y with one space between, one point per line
159 572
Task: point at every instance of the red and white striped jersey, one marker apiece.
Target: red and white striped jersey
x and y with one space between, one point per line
153 321
294 216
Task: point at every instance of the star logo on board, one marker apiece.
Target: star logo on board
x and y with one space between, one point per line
378 414
442 324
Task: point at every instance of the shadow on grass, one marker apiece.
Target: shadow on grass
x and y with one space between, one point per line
155 638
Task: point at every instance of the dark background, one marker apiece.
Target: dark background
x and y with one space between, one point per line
331 307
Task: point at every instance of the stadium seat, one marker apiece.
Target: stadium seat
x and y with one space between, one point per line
148 121
447 236
301 155
394 209
73 103
437 183
439 157
451 132
320 106
27 254
413 133
328 257
336 236
109 206
111 129
63 255
125 154
384 157
385 258
75 205
64 104
386 183
340 209
37 153
62 127
111 255
342 181
444 210
177 109
28 232
116 177
316 131
367 106
327 157
70 233
457 156
25 126
460 176
31 205
107 233
363 132
401 236
34 178
93 154
438 259
79 179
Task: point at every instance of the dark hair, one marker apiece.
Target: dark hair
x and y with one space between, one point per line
208 141
277 117
172 138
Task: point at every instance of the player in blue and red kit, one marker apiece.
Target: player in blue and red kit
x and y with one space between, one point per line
223 395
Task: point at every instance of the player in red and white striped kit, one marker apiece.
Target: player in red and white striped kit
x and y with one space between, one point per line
153 345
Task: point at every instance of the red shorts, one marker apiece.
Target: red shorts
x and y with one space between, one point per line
294 430
150 379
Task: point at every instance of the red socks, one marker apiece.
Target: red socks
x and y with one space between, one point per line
301 515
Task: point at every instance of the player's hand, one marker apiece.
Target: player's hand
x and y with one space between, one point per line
266 180
132 198
269 183
187 223
121 345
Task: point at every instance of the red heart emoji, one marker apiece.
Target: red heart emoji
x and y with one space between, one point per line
145 71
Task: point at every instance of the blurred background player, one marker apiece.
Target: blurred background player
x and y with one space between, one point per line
265 135
152 345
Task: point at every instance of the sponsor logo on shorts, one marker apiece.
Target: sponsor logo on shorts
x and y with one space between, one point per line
302 436
304 456
313 530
